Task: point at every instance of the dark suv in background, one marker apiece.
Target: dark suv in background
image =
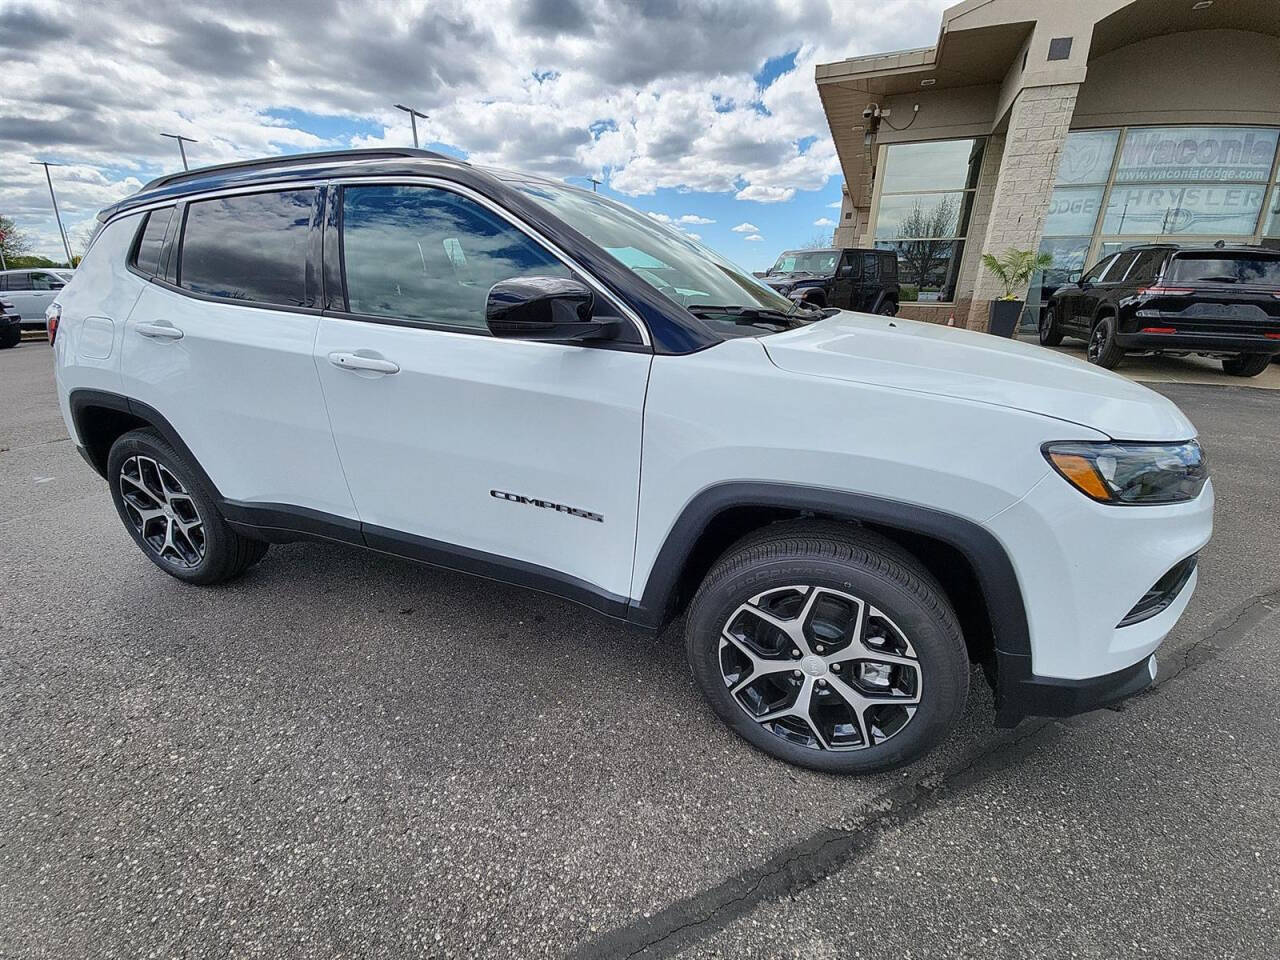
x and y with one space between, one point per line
850 278
1217 301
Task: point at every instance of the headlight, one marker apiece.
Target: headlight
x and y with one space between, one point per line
1131 473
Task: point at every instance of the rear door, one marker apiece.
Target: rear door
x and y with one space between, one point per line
220 343
867 289
510 457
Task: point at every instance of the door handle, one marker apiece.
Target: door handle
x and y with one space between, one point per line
159 331
353 361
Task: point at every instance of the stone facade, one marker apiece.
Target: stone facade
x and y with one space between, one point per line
1038 124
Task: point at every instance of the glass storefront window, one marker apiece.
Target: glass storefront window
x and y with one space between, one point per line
926 195
922 215
1183 154
1161 209
934 165
1087 156
927 269
1073 210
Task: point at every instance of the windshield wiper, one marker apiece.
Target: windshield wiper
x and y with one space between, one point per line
744 315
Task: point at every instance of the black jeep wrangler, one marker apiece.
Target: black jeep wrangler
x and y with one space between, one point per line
850 278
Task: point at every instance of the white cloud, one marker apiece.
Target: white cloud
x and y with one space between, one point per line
694 218
648 96
824 222
745 227
661 217
755 238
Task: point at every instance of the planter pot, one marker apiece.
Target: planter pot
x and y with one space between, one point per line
1003 319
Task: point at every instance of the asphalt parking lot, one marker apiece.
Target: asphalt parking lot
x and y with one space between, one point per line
344 754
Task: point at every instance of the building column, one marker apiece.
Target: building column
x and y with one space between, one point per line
1038 124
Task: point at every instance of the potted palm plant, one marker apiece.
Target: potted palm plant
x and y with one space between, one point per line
1014 269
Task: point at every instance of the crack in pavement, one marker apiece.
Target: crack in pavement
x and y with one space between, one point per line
813 859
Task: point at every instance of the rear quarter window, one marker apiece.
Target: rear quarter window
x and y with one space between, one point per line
146 255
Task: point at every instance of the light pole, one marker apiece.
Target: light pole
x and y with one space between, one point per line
594 183
56 215
181 149
413 119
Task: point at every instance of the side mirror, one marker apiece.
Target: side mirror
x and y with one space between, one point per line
544 308
1074 276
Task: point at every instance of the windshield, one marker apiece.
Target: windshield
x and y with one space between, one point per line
821 262
678 266
1225 268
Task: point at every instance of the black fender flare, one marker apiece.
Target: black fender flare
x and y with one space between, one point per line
996 576
82 400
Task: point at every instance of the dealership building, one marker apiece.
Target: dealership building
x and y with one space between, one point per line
1076 127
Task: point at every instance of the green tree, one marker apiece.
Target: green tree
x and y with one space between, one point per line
13 242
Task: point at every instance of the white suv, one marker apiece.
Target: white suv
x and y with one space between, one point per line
514 378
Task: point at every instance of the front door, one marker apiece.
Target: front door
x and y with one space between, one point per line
845 283
511 457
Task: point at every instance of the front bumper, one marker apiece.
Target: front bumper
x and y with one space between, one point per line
1020 693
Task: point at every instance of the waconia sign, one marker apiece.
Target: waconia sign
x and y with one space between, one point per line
1179 154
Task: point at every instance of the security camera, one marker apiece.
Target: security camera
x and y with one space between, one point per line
870 110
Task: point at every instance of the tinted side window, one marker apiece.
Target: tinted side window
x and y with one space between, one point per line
1119 266
871 268
1097 271
151 243
19 281
1146 267
251 247
46 281
421 253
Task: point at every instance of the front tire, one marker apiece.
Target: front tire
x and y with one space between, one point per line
1102 349
1246 365
829 647
172 515
1050 329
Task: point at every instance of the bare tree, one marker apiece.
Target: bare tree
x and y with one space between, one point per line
921 233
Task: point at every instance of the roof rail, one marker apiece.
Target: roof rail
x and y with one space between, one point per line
379 153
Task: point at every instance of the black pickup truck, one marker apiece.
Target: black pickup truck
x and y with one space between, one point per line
849 278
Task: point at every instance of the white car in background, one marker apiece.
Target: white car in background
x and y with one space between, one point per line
32 290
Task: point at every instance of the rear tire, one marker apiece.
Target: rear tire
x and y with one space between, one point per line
1050 329
1246 365
171 513
888 309
11 337
873 629
1102 349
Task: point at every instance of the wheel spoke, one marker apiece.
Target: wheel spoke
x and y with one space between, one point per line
794 709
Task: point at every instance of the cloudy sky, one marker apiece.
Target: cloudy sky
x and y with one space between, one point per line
701 111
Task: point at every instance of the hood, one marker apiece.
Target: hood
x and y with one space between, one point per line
947 361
